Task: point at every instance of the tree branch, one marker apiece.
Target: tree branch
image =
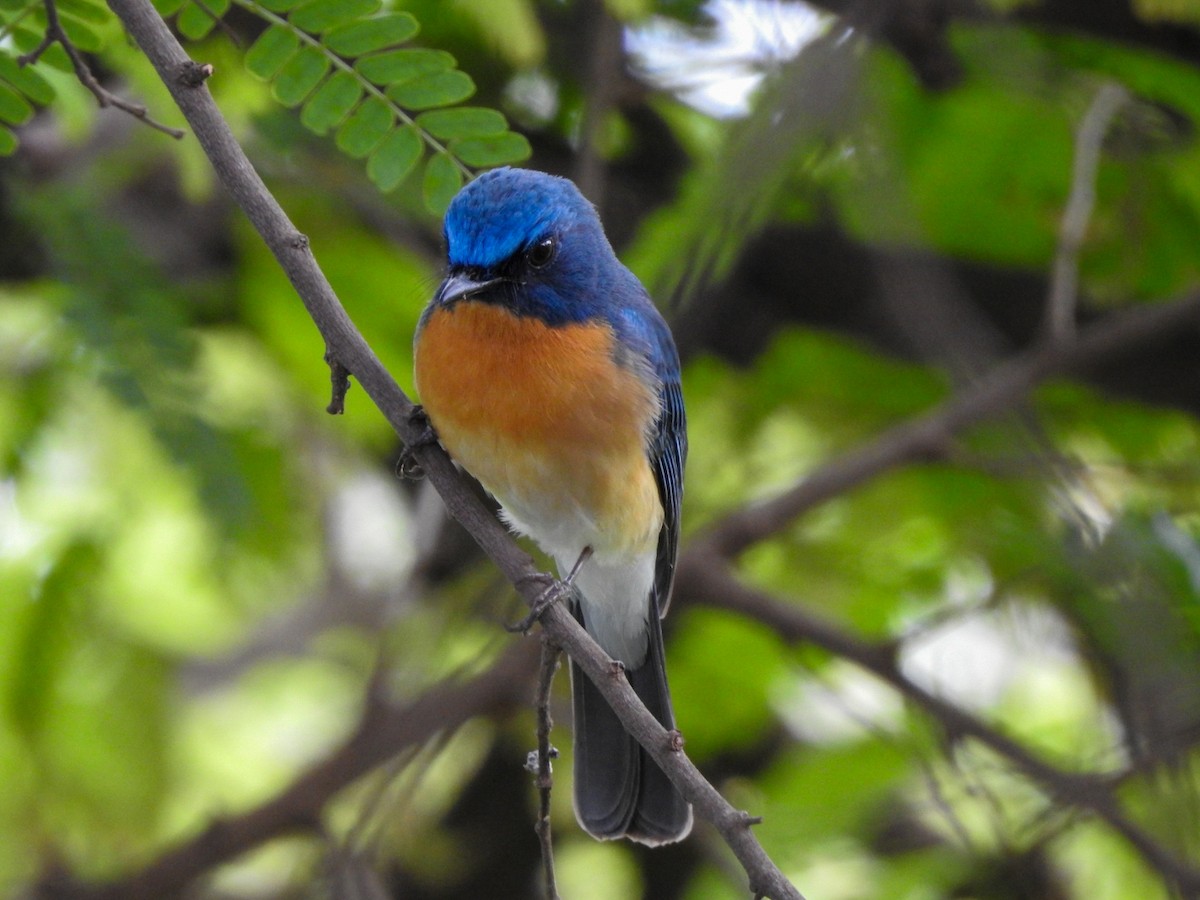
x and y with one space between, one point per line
929 435
545 754
666 748
383 731
604 73
348 347
704 578
1089 141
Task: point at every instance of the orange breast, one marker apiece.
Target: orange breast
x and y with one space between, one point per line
544 418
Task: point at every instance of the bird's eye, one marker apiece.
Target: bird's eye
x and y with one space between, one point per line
540 254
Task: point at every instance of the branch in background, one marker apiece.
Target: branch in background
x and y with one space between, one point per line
916 29
604 74
56 35
706 579
930 436
541 767
384 730
666 749
1089 141
346 346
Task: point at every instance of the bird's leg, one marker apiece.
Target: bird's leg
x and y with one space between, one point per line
584 555
407 465
554 591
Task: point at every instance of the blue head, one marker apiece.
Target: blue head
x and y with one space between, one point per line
531 242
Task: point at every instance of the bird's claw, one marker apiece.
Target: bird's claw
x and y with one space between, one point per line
407 465
554 591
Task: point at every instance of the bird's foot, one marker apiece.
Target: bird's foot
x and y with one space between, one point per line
407 465
554 591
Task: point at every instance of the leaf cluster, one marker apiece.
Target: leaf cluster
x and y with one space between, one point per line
351 70
24 88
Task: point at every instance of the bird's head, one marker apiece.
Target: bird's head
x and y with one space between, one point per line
530 242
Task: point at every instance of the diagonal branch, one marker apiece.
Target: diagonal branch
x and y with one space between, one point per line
346 346
704 578
384 730
930 435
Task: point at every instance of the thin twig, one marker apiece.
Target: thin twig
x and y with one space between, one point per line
56 35
545 755
1089 141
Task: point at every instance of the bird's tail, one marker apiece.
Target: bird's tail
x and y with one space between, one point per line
619 790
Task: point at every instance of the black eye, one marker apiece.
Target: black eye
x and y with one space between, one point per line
540 254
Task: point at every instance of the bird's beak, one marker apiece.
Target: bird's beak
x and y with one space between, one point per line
460 287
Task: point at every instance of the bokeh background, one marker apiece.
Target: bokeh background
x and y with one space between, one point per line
970 672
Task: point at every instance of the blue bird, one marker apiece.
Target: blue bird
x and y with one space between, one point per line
549 375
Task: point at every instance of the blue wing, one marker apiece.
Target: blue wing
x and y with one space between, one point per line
642 332
668 455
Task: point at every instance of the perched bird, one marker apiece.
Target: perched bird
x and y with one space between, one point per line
549 375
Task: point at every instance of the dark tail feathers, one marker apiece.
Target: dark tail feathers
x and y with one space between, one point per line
619 790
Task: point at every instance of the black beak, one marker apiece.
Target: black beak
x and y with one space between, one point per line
459 287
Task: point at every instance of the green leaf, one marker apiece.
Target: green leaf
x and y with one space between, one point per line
48 632
167 8
27 80
83 37
13 107
436 89
273 48
300 75
395 157
85 10
8 142
200 17
332 102
628 10
365 128
401 65
359 38
463 122
318 15
442 181
511 29
279 6
492 151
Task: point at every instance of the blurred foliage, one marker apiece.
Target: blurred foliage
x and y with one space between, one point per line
199 569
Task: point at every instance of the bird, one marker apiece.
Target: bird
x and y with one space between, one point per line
548 374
